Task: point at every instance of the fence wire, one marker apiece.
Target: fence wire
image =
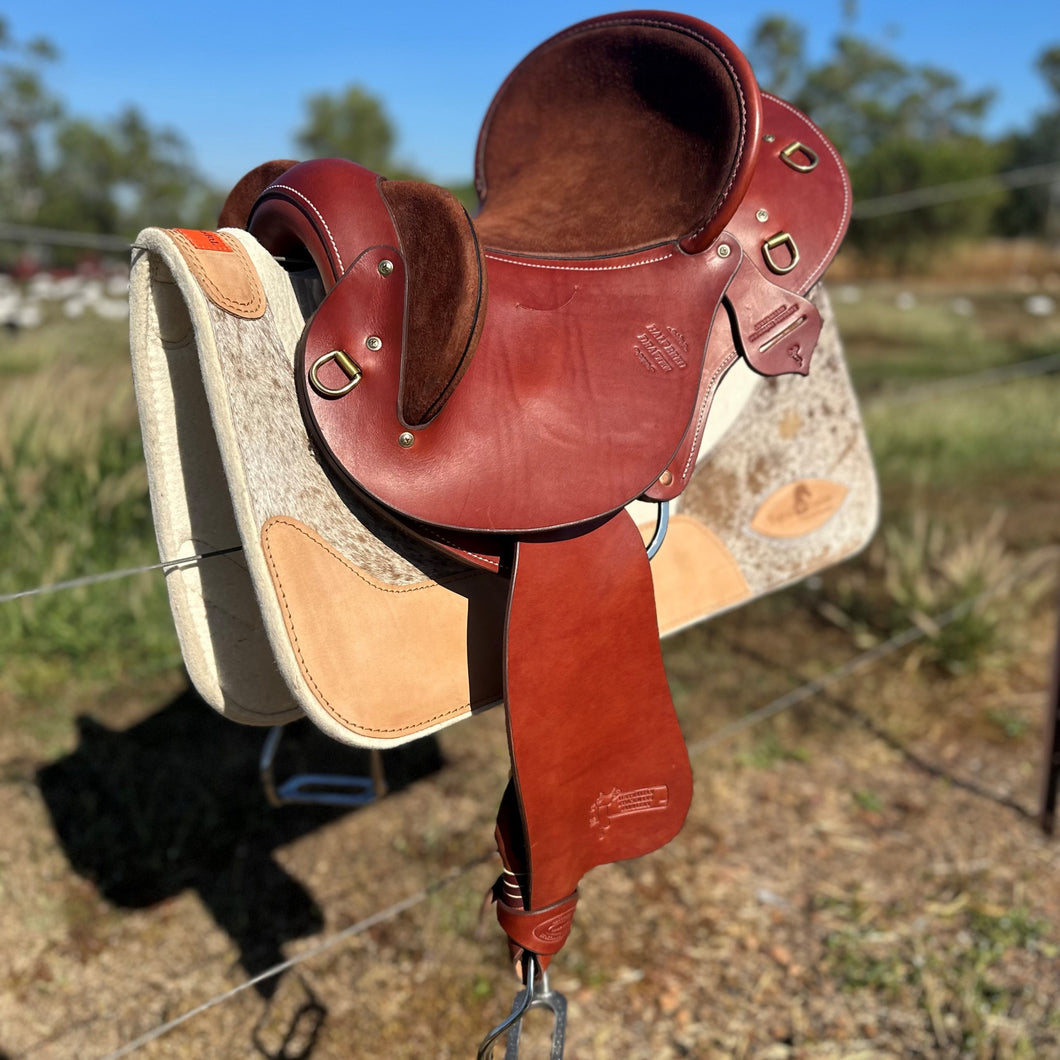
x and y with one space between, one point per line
1035 366
880 206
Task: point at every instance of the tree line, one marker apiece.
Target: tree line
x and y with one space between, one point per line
898 126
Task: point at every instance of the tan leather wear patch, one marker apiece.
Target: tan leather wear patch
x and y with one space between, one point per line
223 270
799 508
694 575
385 660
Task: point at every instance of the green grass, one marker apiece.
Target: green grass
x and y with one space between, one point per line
891 348
966 969
769 751
73 502
983 435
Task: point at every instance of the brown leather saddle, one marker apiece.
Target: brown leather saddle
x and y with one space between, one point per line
503 387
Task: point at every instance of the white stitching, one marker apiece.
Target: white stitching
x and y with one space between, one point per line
309 202
579 268
708 403
493 564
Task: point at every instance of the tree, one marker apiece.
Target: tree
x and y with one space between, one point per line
898 128
350 125
1036 210
66 172
27 111
121 176
778 55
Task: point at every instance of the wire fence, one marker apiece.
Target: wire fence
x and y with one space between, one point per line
804 693
879 206
1033 367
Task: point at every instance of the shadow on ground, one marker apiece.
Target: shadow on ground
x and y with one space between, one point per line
176 802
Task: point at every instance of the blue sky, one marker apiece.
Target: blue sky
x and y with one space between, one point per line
232 76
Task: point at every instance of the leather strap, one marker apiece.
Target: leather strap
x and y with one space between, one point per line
600 770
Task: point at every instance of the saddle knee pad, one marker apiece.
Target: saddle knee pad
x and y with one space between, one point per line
784 486
310 602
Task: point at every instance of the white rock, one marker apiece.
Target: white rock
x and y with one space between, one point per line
1040 305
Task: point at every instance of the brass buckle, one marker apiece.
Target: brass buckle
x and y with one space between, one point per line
346 363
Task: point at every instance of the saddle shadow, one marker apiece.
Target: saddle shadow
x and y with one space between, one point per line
176 802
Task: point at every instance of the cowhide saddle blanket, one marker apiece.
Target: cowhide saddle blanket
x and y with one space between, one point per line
443 442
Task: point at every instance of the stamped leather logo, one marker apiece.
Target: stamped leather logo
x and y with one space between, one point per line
617 803
771 321
556 928
798 508
661 349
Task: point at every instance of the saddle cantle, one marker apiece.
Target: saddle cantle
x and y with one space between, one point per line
505 391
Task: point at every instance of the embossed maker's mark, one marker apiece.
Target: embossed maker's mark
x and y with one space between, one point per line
661 349
556 928
769 322
617 803
798 508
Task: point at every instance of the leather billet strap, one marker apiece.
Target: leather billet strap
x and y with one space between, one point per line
600 769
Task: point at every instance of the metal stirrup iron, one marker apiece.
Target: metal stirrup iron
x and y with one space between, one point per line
536 994
318 789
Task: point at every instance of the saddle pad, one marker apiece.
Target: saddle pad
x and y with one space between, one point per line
319 605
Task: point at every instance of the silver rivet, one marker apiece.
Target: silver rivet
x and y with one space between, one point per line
724 250
386 267
769 138
374 342
405 440
762 215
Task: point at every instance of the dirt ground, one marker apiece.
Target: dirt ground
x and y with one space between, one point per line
860 877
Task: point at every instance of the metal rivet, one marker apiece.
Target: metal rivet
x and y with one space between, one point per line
762 215
666 478
374 342
405 440
386 267
769 138
724 250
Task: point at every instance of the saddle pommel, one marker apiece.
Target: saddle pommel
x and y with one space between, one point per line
331 212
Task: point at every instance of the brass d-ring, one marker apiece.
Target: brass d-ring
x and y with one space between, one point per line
345 363
781 239
788 156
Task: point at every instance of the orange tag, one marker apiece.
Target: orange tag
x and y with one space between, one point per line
204 240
